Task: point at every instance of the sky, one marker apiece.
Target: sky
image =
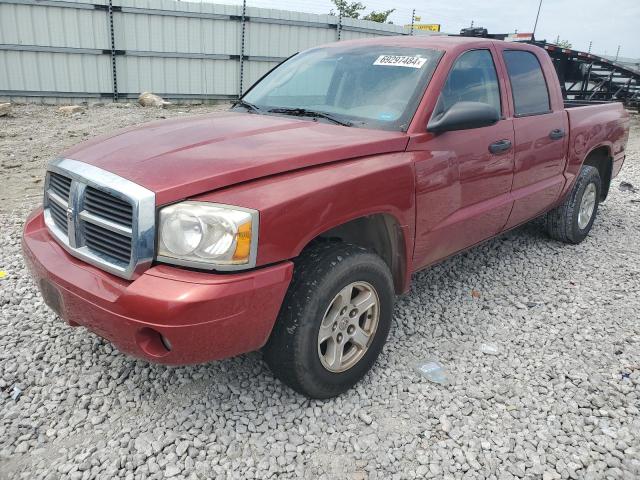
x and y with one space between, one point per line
606 23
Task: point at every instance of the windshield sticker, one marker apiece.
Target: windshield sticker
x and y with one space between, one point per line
400 61
386 116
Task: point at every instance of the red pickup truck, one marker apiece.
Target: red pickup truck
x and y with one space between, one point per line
290 223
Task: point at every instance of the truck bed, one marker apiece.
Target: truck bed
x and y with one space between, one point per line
603 126
586 103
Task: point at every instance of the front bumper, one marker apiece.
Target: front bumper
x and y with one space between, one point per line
167 315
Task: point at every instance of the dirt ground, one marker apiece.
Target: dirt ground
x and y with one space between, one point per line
34 134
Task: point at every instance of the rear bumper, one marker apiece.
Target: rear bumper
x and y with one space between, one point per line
199 316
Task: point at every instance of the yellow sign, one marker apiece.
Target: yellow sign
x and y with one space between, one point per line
430 27
417 18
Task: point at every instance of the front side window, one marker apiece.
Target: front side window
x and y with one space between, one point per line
472 78
528 86
372 86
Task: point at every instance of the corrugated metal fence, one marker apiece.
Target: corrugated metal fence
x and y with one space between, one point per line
115 49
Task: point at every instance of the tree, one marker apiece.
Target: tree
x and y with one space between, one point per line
380 17
564 44
353 9
345 9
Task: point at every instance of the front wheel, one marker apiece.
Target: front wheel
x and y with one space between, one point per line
571 221
334 320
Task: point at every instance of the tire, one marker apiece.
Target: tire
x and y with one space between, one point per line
565 223
322 276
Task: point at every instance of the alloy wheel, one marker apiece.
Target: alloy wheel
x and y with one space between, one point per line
348 326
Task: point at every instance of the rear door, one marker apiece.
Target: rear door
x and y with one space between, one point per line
463 178
540 124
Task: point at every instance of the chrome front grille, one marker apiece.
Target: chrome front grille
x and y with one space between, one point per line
106 242
59 188
107 206
59 215
60 185
100 217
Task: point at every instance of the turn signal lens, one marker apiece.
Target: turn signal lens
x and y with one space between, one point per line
243 243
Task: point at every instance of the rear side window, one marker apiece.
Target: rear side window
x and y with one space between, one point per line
472 78
529 89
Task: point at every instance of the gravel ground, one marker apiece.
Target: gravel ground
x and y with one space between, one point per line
560 399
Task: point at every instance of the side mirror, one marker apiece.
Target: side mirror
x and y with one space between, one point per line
462 116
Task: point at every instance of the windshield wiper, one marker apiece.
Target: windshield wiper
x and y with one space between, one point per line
303 112
249 106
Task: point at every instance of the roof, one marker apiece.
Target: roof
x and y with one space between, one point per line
440 42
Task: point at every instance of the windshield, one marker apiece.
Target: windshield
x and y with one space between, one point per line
373 86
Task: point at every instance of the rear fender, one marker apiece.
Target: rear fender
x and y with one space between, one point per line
594 128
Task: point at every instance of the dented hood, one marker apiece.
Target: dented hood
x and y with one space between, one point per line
184 157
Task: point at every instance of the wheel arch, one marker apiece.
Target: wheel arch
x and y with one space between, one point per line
600 158
379 232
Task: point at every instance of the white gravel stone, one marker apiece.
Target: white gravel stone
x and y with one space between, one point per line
562 400
5 109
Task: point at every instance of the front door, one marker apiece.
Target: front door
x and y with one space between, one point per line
464 177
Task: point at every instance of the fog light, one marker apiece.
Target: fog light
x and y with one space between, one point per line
152 343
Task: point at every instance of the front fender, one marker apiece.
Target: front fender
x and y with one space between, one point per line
298 206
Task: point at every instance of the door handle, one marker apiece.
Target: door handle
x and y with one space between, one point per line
500 146
556 134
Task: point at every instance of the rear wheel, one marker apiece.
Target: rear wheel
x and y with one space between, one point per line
334 320
571 221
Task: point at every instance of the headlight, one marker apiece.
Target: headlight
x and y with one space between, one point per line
208 235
